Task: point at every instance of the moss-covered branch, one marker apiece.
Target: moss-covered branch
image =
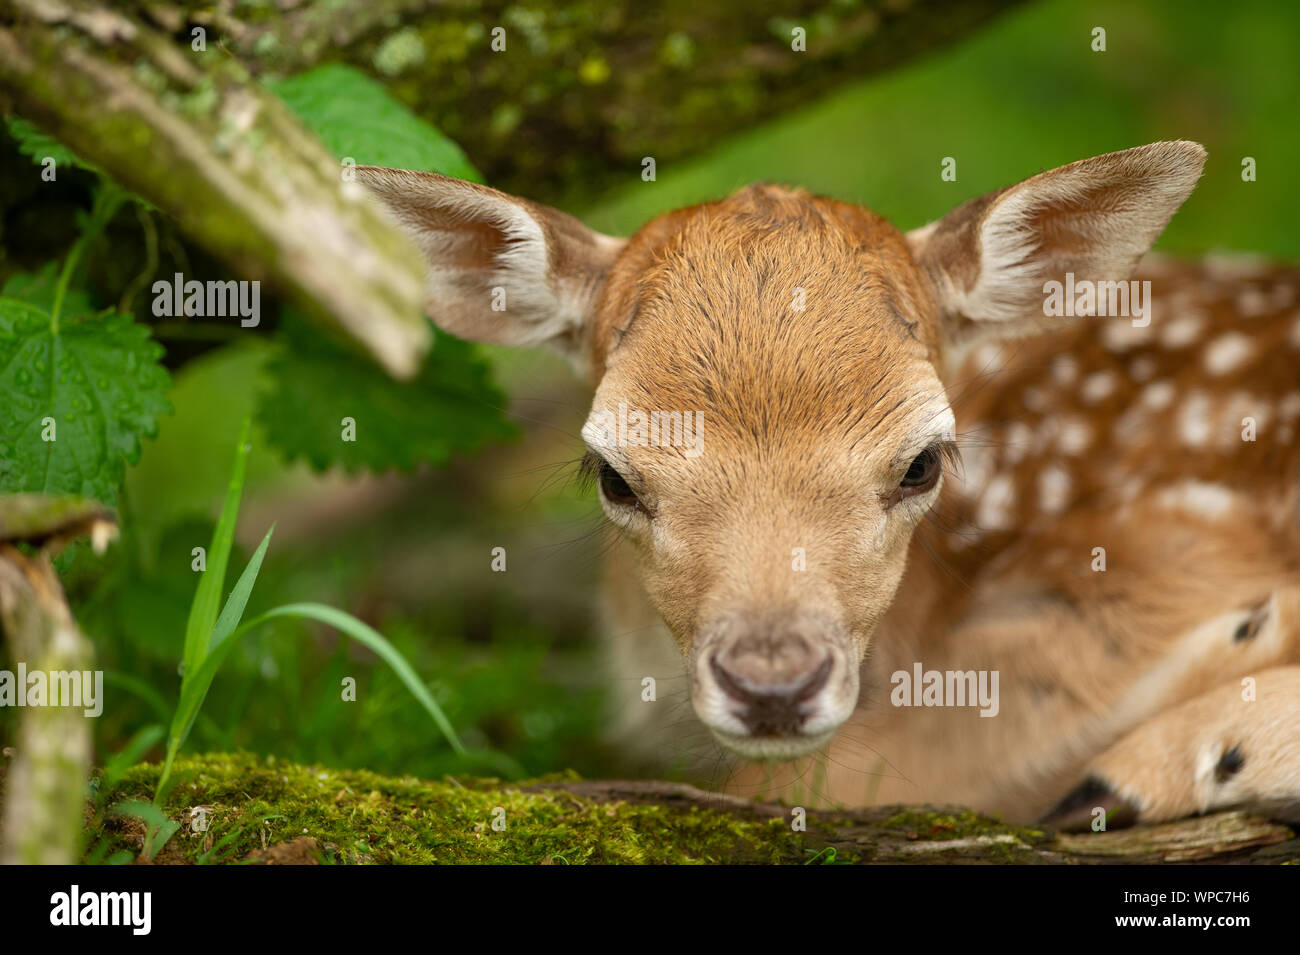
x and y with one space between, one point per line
584 89
194 135
235 808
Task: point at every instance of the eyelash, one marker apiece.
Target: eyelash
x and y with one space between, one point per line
595 470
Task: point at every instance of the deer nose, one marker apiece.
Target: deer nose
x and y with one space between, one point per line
773 679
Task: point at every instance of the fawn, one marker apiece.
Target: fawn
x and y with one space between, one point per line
913 460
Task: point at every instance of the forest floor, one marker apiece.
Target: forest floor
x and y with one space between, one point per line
248 809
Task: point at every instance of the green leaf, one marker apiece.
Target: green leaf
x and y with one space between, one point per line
100 381
450 408
38 145
356 118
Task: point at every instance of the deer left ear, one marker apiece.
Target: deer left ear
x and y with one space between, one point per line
989 259
501 269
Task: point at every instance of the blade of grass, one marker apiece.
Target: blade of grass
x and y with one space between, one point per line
233 611
207 596
225 625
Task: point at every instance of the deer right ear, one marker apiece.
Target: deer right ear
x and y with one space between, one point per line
989 259
502 270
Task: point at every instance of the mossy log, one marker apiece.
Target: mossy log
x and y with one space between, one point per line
585 89
245 808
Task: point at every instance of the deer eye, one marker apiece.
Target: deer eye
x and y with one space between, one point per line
614 487
922 474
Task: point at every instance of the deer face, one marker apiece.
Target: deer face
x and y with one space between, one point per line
770 422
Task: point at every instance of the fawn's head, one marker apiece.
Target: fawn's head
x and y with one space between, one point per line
770 421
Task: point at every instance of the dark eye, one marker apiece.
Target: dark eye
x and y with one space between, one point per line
922 474
614 488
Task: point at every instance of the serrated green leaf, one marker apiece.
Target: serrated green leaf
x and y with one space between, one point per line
356 118
450 408
38 146
100 381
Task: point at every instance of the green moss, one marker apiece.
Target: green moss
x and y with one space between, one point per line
399 52
940 826
361 817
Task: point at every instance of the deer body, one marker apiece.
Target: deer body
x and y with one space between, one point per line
1115 546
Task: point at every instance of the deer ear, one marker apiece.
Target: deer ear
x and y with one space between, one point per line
501 269
988 260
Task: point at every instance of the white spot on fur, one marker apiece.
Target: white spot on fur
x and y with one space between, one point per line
1234 409
1211 501
989 357
1020 438
1294 338
1182 331
1194 419
1076 435
994 510
1158 395
976 463
1236 266
1121 334
1289 406
1064 370
1053 489
1097 387
1227 353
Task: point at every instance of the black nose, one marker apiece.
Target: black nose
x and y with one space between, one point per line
773 679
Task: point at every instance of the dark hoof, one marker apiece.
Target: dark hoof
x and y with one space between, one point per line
1076 812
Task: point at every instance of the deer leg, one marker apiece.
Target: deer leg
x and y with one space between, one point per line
1235 746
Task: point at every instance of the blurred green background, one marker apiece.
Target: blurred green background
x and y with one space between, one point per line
513 657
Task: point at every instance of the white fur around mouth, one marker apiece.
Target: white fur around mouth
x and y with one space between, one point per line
772 748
